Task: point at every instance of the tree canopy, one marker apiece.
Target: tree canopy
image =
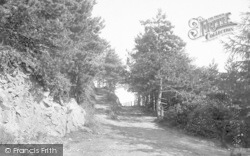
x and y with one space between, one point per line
201 100
158 60
57 42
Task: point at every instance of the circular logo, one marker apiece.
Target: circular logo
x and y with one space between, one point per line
7 150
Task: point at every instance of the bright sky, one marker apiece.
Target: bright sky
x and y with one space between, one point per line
122 23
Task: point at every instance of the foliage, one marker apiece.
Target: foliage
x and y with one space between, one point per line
112 71
57 42
158 48
158 62
211 119
9 59
236 80
199 99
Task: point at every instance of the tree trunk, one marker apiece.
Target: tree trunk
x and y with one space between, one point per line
155 101
162 112
146 100
139 100
158 105
143 100
152 101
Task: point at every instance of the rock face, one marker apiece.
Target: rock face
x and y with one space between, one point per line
22 115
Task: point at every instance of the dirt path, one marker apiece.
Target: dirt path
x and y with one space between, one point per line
136 134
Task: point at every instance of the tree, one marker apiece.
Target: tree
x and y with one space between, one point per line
58 42
157 57
238 74
112 70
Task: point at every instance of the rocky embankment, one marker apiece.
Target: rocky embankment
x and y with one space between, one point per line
27 113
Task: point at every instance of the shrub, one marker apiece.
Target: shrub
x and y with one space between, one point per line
178 114
9 59
200 122
210 118
214 119
60 87
176 118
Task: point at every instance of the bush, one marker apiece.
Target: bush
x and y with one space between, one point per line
178 114
208 118
113 99
9 59
214 119
60 87
245 133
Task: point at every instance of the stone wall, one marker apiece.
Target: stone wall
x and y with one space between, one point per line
21 114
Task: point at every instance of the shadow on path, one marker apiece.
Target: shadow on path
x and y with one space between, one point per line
135 133
139 131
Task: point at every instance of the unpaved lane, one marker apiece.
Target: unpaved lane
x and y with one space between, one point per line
135 134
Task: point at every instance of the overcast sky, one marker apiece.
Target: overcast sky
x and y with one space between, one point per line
122 23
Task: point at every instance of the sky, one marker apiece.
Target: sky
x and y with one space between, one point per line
122 23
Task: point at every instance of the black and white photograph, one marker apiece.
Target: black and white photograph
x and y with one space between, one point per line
125 77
